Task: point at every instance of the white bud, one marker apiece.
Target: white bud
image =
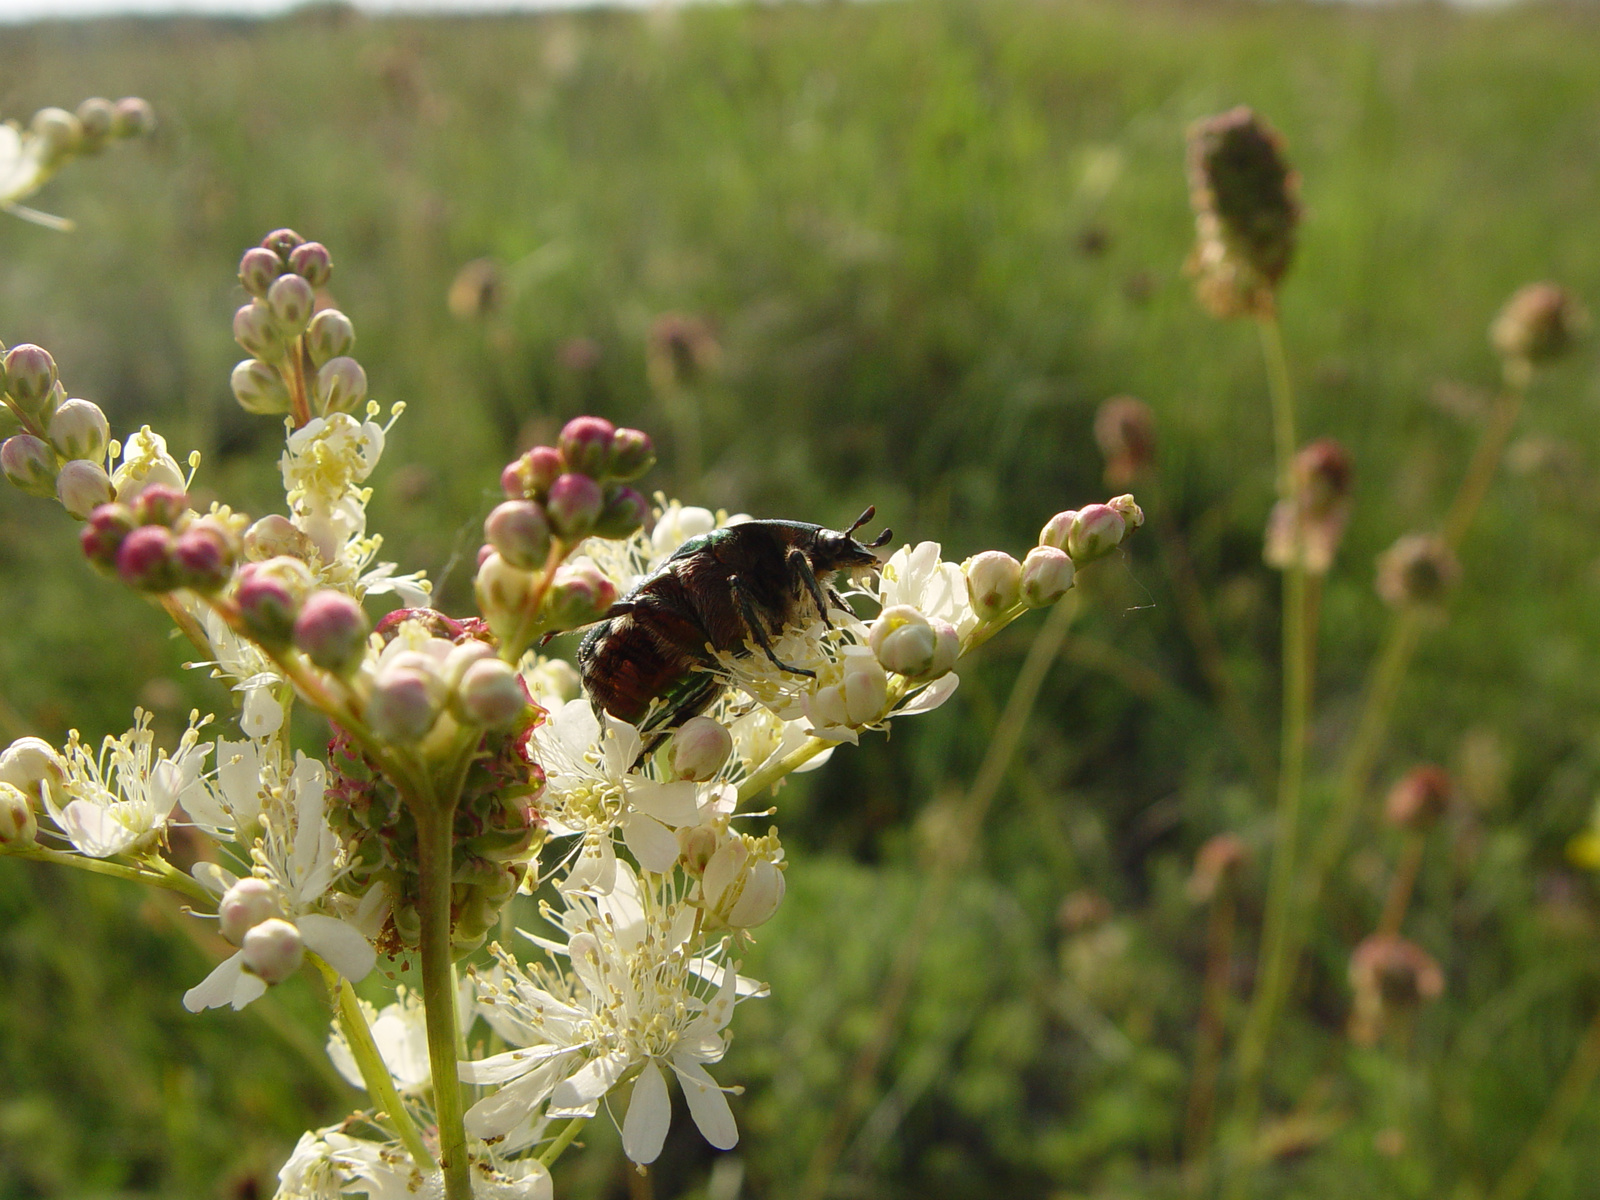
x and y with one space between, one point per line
891 619
504 594
1057 528
994 583
1046 576
83 486
273 950
404 703
244 906
78 429
908 650
700 748
1097 531
763 892
491 694
458 658
696 846
29 762
719 882
865 688
18 825
947 649
276 536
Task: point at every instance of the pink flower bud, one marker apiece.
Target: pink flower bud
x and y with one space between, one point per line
102 537
330 335
946 650
282 242
268 599
30 378
133 118
95 117
699 749
341 385
83 486
579 595
585 445
696 845
273 951
531 475
205 556
259 388
404 704
573 505
30 464
632 454
332 629
244 906
1057 528
255 331
78 429
312 263
520 532
1046 576
624 513
291 300
258 270
1098 531
491 694
994 583
18 824
144 559
160 504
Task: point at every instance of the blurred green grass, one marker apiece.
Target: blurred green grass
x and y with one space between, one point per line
931 238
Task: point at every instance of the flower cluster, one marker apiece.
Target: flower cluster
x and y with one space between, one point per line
29 157
464 768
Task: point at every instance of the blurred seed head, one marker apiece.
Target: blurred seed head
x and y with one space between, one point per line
1217 865
681 351
1125 431
1391 976
1309 526
1420 798
1418 570
1537 326
1246 206
477 291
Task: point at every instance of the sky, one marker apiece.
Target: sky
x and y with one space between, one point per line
29 10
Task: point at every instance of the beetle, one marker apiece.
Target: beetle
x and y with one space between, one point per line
651 661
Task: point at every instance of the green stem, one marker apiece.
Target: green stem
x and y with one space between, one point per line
435 856
563 1140
171 879
1565 1105
374 1072
1276 958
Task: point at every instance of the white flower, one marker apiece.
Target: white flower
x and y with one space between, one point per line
301 856
401 1033
916 576
255 679
145 463
591 789
120 800
21 164
636 1001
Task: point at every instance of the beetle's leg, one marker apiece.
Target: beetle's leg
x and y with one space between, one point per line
797 562
741 598
621 608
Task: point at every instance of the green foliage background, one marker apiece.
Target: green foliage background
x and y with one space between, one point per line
931 238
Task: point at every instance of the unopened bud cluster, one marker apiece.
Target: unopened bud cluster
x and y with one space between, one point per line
62 136
555 497
1246 208
62 449
299 352
156 543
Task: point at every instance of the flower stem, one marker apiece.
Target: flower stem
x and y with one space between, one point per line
563 1140
172 879
1403 884
435 856
1276 958
380 1084
1208 1041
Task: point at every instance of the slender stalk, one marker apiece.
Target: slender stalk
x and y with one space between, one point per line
173 880
949 856
1481 470
1403 884
374 1072
1212 1025
1547 1136
434 862
1276 957
563 1140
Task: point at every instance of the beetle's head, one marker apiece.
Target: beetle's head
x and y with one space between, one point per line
841 551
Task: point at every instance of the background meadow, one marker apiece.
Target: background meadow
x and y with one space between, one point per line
928 239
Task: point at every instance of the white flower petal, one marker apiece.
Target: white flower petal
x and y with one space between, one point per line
584 1087
651 842
644 1129
707 1105
669 803
341 946
217 988
930 697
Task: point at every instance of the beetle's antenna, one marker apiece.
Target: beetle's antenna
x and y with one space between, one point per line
881 540
862 519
